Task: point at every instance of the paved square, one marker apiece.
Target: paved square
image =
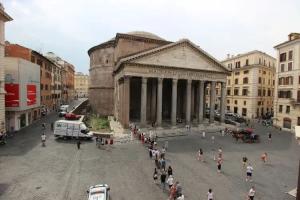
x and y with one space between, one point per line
60 171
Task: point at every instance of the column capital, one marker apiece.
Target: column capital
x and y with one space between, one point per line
174 80
160 80
144 80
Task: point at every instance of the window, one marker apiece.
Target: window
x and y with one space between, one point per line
42 86
259 61
236 81
235 101
287 123
247 62
264 72
237 73
46 87
228 92
298 96
282 57
269 92
245 103
244 111
282 67
33 59
280 108
245 80
228 108
285 94
259 79
237 64
273 82
246 72
264 92
236 91
258 103
228 82
290 55
259 92
290 66
228 101
245 92
298 121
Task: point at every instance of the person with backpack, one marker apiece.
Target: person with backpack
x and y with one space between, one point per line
163 177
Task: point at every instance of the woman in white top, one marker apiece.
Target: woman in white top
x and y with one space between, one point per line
210 195
170 181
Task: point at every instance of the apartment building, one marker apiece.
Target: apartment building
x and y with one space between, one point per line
4 17
67 77
250 87
81 84
46 72
287 95
56 86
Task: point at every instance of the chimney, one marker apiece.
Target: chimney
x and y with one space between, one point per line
294 36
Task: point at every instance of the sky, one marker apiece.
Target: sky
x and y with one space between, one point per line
70 27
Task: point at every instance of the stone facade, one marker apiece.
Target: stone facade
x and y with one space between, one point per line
287 92
4 17
250 86
81 84
151 80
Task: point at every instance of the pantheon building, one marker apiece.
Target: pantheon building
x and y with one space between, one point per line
140 77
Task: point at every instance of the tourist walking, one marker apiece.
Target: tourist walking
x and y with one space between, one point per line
249 172
163 164
155 175
172 194
200 155
244 160
210 194
203 134
43 139
170 170
220 152
270 137
251 193
170 181
163 152
213 139
166 145
178 189
163 177
78 144
150 152
219 164
180 197
264 157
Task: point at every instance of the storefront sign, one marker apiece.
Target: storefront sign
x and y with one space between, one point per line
31 95
12 95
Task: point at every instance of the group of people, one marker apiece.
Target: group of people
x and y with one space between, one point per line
162 172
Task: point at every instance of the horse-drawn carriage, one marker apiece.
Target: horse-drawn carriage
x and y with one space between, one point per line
246 135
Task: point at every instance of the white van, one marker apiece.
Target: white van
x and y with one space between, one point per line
71 129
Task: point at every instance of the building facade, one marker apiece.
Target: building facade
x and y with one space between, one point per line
81 84
250 86
56 86
67 72
22 99
4 17
287 95
140 77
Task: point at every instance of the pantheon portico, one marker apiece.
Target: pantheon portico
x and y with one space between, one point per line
143 78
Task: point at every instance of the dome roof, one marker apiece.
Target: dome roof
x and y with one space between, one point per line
145 35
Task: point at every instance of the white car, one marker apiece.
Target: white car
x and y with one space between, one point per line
98 192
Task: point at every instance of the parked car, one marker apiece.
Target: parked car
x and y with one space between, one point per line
71 116
229 121
99 192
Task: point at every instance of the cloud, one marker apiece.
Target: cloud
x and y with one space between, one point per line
69 28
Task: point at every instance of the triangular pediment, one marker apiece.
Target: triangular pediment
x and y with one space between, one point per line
182 54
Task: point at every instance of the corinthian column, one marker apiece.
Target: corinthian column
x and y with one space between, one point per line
223 101
143 101
174 101
188 101
212 101
159 101
201 101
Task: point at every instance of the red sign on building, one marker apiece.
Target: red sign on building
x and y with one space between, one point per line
31 95
12 96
